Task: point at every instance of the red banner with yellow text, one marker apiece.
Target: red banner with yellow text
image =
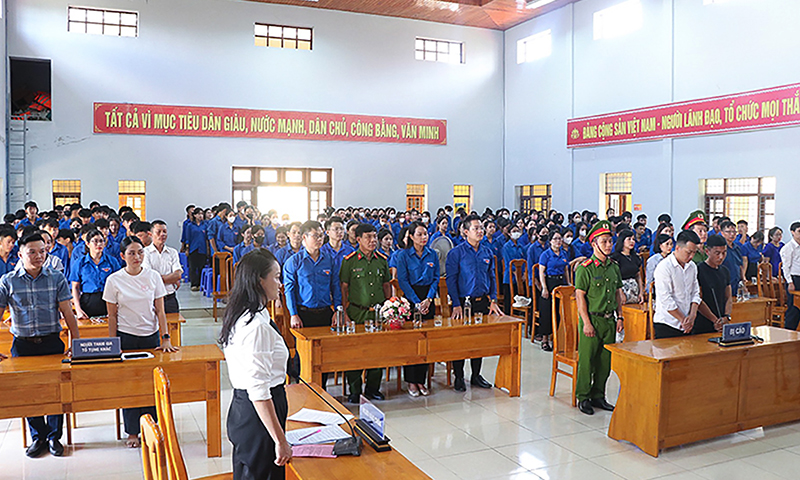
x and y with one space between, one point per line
768 108
142 119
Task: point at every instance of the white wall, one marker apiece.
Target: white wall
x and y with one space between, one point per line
201 52
685 50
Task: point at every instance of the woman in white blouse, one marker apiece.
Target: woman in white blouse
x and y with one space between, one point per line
134 297
256 355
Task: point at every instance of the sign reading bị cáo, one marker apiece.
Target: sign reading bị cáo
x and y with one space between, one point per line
143 119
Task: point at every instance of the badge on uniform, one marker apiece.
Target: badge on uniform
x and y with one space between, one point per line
326 272
487 260
430 264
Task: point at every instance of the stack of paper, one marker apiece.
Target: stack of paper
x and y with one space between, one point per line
312 435
317 416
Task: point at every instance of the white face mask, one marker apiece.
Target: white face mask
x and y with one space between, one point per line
231 219
516 235
583 233
567 240
506 216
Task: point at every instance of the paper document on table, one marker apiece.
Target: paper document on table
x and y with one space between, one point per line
319 451
311 435
318 416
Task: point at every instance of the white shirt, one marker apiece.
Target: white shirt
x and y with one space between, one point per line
676 288
135 298
790 257
166 262
650 269
256 355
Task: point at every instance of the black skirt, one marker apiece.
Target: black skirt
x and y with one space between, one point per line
253 447
93 304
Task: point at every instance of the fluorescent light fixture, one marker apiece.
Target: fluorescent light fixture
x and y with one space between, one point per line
621 19
534 47
537 3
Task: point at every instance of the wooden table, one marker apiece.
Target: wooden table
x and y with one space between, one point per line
43 385
756 310
321 350
682 390
94 329
370 465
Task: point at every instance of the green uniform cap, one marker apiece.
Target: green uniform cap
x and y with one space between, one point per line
698 216
603 227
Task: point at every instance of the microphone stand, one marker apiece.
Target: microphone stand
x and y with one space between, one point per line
344 446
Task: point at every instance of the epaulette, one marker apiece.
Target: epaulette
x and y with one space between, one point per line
381 255
350 255
587 262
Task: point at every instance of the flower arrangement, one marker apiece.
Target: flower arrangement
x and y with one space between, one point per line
395 312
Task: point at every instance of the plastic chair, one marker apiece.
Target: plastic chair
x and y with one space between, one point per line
565 337
174 457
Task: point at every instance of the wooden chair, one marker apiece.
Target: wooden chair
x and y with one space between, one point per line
498 276
154 457
222 268
518 285
771 287
166 423
565 337
651 297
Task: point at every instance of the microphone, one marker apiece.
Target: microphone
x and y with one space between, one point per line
344 446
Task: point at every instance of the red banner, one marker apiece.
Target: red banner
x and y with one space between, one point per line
768 108
139 119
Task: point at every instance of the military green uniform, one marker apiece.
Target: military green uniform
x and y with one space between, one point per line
700 256
364 276
695 218
600 281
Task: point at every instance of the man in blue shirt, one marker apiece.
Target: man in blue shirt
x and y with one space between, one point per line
31 215
734 261
35 296
512 250
311 282
294 245
8 239
336 246
470 273
220 215
226 233
648 234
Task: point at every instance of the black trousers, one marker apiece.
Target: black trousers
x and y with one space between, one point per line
478 306
505 289
792 315
196 261
171 304
419 373
130 416
93 304
50 428
546 305
253 447
662 330
317 318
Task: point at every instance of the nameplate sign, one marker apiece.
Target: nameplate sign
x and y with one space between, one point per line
192 121
736 332
372 416
85 348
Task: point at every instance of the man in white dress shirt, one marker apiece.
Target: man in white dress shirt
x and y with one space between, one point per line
677 289
164 260
790 258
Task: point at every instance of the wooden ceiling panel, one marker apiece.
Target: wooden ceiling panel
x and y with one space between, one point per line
493 14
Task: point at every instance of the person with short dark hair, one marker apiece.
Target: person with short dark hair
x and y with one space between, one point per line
35 296
66 238
141 230
293 246
336 246
221 214
753 249
772 250
88 275
197 247
10 219
364 278
741 232
735 262
31 215
247 244
165 260
351 238
677 289
715 289
470 273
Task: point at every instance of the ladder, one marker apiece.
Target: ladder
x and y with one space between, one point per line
17 185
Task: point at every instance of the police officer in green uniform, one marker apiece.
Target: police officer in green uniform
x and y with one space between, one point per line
698 223
365 278
598 291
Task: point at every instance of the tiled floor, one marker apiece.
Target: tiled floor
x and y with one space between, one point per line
481 434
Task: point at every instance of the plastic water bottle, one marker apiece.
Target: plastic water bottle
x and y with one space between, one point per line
378 322
417 323
339 320
467 312
740 295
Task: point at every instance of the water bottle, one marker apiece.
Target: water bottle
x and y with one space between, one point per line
740 294
417 316
339 320
378 321
467 312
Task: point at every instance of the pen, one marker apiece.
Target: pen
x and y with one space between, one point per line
306 436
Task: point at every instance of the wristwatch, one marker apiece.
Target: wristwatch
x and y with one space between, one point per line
165 336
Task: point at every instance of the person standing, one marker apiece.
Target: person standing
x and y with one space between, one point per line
365 278
88 274
256 355
311 283
715 289
790 258
418 276
697 223
552 273
336 246
196 247
35 295
599 295
166 261
512 250
134 298
470 273
734 260
677 289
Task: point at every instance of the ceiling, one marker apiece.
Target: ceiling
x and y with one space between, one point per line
494 14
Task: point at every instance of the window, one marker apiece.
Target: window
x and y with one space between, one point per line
417 197
534 47
132 194
439 50
280 36
117 23
31 89
621 19
617 191
534 197
66 192
462 197
300 193
750 199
